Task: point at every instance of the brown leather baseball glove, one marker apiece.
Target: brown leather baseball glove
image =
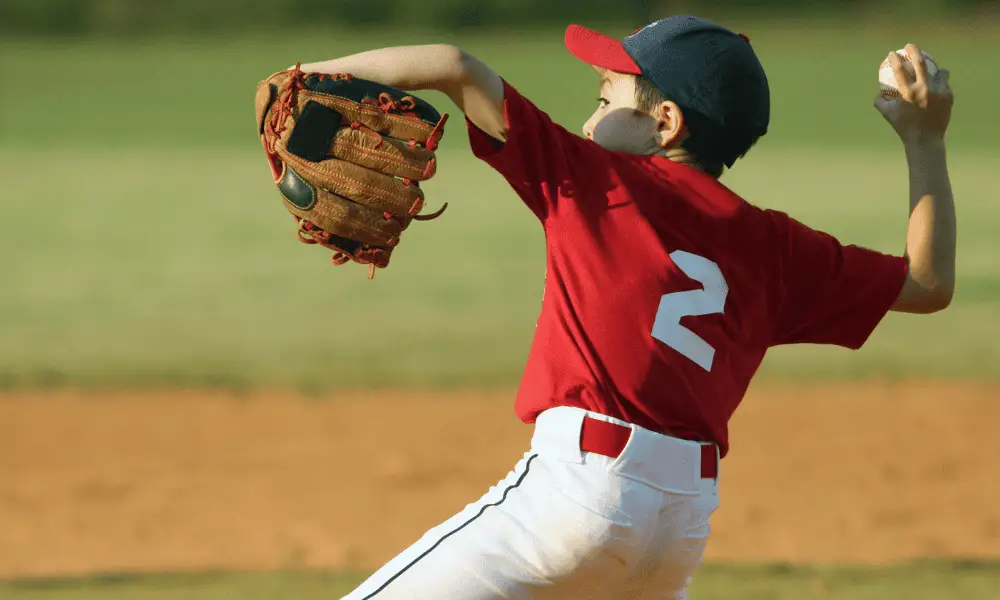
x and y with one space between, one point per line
347 155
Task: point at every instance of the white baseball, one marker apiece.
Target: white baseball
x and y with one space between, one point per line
887 78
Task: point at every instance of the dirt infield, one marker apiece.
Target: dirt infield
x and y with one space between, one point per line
183 481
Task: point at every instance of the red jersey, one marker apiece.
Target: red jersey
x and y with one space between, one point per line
664 289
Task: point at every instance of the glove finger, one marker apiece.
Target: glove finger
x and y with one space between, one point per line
383 154
401 126
338 215
354 221
318 132
267 93
373 189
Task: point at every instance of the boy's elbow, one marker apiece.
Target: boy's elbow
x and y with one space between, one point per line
450 59
472 71
925 295
941 298
936 298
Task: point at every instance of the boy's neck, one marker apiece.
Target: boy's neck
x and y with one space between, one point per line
680 155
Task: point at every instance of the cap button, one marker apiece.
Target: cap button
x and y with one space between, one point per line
742 35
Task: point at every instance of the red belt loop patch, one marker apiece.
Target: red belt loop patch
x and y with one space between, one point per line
603 438
709 462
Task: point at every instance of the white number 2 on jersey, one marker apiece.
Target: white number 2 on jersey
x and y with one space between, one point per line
709 300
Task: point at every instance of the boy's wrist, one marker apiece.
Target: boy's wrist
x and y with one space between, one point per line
926 153
924 141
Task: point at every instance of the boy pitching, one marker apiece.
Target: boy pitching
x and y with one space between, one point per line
664 290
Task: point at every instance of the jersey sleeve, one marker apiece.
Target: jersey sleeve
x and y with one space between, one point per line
831 293
540 160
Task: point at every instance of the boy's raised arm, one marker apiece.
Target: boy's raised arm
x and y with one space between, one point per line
920 117
470 84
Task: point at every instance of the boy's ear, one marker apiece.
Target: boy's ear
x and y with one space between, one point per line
670 124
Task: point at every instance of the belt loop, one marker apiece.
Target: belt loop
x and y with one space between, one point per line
557 433
604 437
709 461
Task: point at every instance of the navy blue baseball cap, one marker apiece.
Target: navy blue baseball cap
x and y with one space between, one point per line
701 66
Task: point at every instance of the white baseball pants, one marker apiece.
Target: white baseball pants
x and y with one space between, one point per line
567 525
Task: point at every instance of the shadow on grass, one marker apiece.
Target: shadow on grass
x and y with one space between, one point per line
923 579
115 580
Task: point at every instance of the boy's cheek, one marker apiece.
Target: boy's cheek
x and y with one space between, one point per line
622 133
614 139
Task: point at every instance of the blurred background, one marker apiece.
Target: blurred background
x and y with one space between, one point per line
194 405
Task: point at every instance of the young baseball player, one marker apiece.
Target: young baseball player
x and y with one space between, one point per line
664 290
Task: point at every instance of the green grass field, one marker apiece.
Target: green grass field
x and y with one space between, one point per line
182 269
147 246
917 581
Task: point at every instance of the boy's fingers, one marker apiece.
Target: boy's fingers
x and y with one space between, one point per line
919 65
902 83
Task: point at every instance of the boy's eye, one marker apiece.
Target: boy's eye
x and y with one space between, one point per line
604 102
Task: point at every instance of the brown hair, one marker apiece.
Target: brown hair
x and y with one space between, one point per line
702 133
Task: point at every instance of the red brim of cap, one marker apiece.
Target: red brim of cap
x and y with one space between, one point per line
599 50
